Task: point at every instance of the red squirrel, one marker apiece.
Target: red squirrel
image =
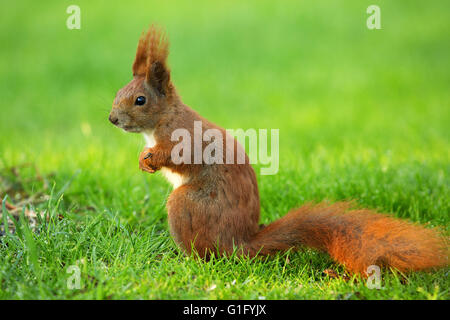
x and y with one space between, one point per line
216 208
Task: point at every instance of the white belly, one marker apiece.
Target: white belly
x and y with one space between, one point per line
174 178
149 137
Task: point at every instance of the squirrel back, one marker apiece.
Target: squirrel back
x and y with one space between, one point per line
215 206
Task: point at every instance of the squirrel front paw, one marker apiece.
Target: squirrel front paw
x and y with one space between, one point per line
146 162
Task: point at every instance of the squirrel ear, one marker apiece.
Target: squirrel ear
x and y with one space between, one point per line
158 77
157 74
150 61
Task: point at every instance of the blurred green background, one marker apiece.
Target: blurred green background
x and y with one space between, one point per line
313 70
363 114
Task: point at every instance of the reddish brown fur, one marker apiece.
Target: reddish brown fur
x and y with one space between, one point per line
152 47
217 205
356 238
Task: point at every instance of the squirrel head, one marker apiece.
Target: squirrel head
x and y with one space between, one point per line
142 103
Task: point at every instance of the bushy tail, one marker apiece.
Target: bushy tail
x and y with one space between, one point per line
355 238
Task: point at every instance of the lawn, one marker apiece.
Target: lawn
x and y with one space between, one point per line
362 114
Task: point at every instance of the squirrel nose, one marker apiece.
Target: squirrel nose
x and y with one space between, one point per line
113 120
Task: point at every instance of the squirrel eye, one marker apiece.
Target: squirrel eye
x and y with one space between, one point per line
140 101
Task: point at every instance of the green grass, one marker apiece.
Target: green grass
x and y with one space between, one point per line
362 115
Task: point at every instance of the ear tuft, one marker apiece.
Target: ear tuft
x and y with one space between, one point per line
151 60
141 56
